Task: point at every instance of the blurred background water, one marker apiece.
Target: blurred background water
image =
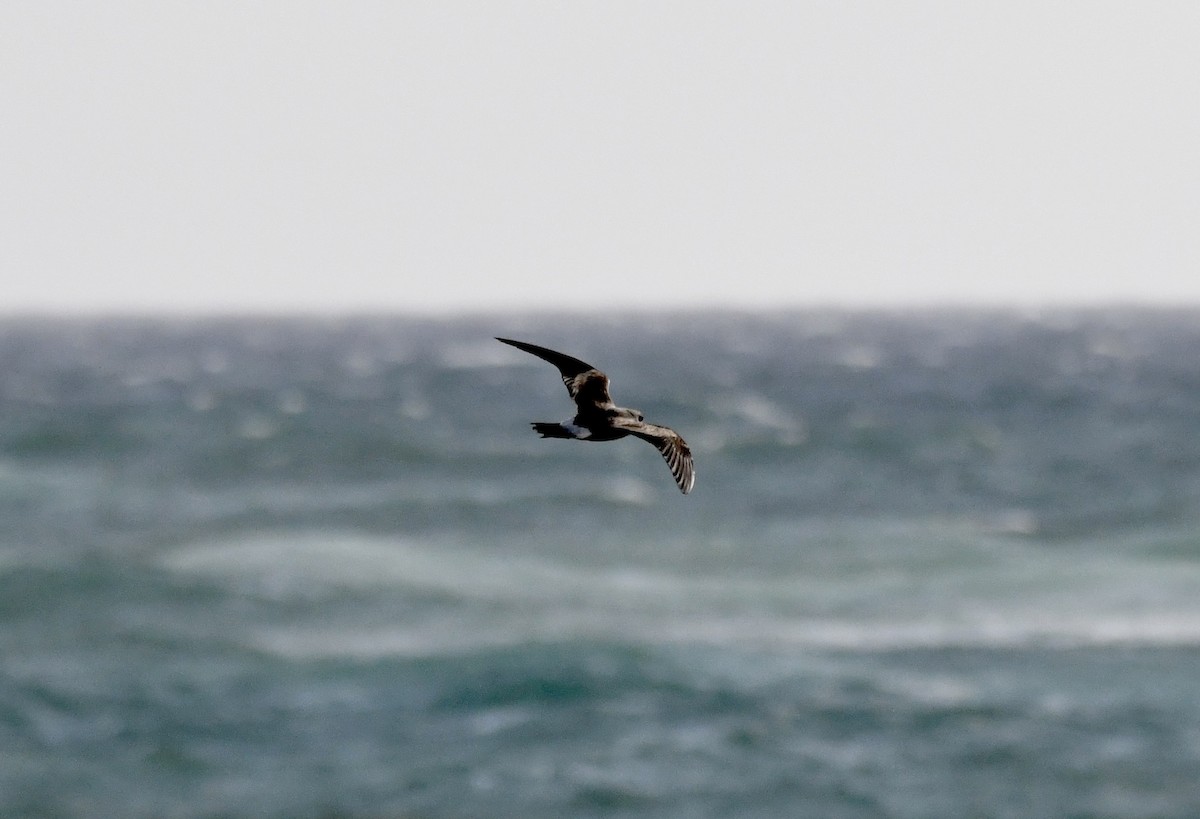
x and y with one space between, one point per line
936 564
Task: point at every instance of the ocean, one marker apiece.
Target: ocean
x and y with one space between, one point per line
936 564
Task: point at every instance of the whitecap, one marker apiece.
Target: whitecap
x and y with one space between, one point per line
301 562
292 402
257 428
755 410
415 408
628 490
861 357
360 363
477 598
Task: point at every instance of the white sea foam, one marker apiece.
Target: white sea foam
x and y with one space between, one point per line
760 411
628 490
470 633
307 560
489 599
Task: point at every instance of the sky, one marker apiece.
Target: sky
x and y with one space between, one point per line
332 157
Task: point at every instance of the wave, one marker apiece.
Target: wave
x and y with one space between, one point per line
461 600
463 635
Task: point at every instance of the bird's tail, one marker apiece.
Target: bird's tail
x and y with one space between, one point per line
550 430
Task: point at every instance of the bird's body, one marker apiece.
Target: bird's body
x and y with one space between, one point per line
597 418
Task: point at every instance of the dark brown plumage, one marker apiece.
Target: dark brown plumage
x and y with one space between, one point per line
597 418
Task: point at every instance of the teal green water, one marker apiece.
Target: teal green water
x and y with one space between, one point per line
935 565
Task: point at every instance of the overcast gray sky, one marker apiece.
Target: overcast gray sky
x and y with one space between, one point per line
398 156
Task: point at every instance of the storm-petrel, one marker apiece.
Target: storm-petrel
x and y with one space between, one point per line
599 419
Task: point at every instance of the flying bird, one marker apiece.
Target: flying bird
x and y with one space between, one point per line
597 418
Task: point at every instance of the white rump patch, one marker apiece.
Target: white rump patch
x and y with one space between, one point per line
576 431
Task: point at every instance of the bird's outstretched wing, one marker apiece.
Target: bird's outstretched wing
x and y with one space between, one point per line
671 445
587 386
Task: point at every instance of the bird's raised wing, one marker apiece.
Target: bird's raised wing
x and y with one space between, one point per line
587 386
670 445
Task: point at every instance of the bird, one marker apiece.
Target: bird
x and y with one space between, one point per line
597 418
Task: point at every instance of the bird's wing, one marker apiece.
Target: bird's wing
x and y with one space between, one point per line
670 445
587 386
